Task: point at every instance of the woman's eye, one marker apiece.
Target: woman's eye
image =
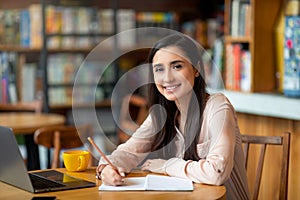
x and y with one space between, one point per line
158 69
177 67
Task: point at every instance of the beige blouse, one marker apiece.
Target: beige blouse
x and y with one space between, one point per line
219 147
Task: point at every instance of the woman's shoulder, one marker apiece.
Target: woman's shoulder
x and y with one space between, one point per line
218 100
217 97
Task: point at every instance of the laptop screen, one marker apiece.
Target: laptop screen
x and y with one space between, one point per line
14 172
12 167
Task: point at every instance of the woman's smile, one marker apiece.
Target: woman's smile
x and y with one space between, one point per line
171 88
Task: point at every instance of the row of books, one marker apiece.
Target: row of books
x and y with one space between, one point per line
24 26
62 67
167 20
204 31
237 68
66 68
240 21
64 95
17 83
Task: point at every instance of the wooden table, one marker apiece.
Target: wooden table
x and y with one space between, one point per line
26 123
200 191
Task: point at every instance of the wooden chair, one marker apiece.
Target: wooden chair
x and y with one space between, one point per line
265 141
60 137
133 112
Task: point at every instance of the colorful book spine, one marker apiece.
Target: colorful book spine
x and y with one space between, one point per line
25 28
35 11
236 66
229 67
246 73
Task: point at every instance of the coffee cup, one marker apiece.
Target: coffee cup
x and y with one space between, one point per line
76 160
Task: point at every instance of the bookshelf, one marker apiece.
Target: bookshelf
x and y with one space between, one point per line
256 39
71 29
42 40
48 40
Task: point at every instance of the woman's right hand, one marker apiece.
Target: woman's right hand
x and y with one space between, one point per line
110 176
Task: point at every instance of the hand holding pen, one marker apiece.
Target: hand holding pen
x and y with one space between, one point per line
114 176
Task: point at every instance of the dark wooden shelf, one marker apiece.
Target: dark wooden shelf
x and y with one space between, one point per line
19 49
241 39
106 103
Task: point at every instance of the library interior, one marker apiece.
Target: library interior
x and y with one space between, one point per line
75 62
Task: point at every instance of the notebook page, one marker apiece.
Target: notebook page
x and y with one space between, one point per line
133 184
167 183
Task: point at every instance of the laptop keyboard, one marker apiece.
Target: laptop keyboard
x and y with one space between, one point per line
40 183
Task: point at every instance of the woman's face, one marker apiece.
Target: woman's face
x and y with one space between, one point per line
174 75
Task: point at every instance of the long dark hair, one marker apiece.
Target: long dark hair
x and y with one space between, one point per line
164 139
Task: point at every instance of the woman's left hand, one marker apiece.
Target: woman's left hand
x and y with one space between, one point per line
155 165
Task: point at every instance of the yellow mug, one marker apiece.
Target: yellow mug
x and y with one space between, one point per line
76 160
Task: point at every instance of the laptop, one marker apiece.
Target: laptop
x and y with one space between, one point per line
13 170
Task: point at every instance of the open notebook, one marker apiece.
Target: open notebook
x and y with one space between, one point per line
152 182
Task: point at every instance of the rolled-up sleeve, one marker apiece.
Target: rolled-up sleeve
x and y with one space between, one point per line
129 154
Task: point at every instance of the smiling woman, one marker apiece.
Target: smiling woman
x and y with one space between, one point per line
173 74
188 133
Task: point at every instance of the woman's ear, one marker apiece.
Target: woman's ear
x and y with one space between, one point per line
197 68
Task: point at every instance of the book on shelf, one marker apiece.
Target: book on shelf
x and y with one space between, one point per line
9 28
12 91
28 77
240 19
53 25
8 87
237 68
25 28
106 20
216 81
126 21
152 183
35 11
229 66
83 19
234 20
245 71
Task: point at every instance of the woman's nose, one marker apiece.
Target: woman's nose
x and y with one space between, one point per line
169 76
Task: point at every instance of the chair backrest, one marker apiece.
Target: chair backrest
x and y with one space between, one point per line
264 141
134 111
60 137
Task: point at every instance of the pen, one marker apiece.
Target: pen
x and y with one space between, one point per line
102 154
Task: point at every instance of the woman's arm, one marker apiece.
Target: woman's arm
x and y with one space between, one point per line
131 153
218 148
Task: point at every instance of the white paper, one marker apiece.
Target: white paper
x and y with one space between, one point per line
152 182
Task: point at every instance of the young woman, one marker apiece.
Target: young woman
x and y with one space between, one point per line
191 134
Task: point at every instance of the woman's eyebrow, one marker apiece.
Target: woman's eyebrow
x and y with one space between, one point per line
176 62
157 65
171 63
